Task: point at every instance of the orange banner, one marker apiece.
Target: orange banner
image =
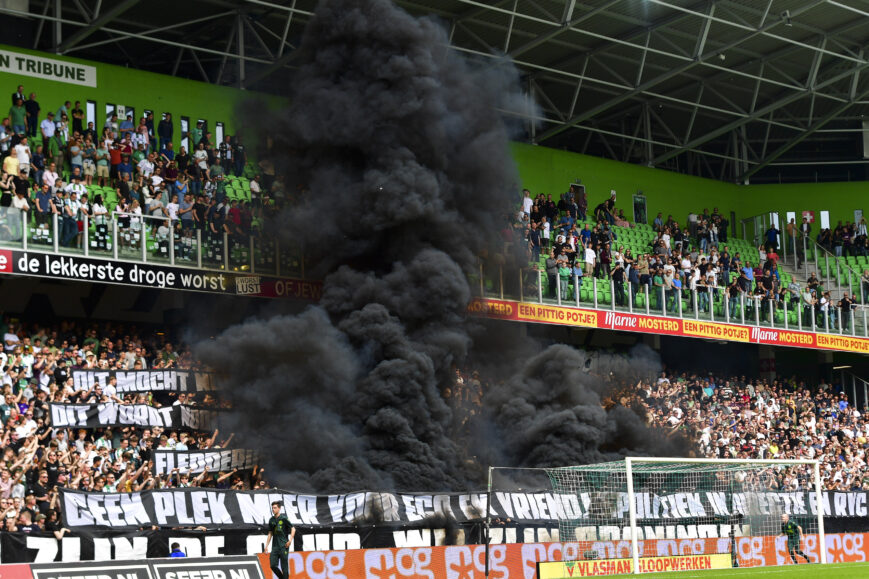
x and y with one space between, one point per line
716 331
519 561
846 343
641 323
558 315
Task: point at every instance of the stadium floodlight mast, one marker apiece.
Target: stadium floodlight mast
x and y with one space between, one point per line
648 501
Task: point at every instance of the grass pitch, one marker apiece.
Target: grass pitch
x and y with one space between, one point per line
831 571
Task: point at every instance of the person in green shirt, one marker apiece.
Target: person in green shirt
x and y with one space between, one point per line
563 278
283 533
657 289
18 117
196 135
138 154
794 533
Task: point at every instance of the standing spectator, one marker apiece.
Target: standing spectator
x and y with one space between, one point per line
32 108
90 132
149 124
551 266
77 118
76 155
37 165
771 235
618 276
24 154
126 127
56 150
18 94
102 157
63 110
18 117
47 127
5 137
44 206
534 242
165 131
226 151
240 156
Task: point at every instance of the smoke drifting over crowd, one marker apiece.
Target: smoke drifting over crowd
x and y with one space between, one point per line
403 172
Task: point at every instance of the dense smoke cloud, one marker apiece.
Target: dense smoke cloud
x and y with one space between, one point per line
551 412
402 170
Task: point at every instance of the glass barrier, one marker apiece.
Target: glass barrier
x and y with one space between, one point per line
781 309
13 223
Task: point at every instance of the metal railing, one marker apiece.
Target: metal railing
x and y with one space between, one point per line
140 238
791 311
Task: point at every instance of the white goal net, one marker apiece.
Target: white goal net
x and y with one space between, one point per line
648 514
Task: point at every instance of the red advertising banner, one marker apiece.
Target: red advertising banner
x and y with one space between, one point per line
641 323
519 561
15 571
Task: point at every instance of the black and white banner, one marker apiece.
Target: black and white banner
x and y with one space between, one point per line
165 461
141 415
134 382
35 263
178 568
211 508
138 545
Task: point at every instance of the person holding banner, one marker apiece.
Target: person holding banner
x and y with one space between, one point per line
283 533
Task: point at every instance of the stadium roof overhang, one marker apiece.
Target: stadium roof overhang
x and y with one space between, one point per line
728 89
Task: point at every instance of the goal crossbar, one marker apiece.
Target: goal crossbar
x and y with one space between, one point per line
654 466
719 464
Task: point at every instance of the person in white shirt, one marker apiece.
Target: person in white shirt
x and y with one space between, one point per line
254 187
23 151
201 157
47 127
76 187
146 167
5 135
20 202
685 265
156 180
172 209
99 211
590 258
10 339
527 202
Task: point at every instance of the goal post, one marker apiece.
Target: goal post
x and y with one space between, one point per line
643 514
812 490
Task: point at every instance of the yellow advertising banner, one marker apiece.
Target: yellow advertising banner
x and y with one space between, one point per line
600 568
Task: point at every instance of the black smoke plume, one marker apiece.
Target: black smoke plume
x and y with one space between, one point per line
399 170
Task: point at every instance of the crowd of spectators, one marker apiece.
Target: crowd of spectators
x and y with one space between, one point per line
56 163
677 262
846 239
723 416
739 417
37 362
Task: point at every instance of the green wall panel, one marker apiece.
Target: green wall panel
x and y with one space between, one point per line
544 170
133 88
